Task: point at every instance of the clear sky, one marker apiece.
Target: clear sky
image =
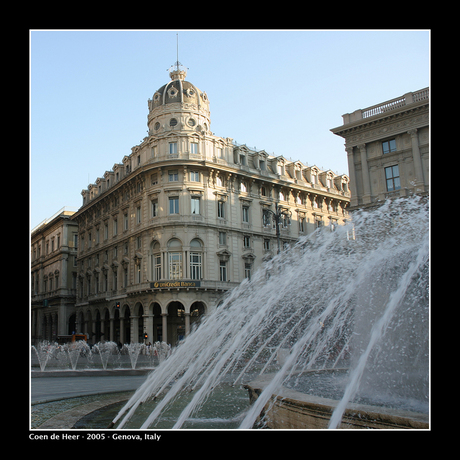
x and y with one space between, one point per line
281 91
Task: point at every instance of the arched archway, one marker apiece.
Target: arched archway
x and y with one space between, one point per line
139 321
72 324
197 312
176 323
116 326
126 324
105 326
97 326
157 323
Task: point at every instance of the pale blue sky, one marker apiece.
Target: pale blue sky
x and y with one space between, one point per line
281 91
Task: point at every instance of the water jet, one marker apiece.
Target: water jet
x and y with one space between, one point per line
354 298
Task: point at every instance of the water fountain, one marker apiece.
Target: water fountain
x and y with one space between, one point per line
133 350
44 351
74 350
355 298
105 350
80 355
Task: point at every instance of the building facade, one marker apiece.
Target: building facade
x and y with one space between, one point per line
54 277
388 149
186 217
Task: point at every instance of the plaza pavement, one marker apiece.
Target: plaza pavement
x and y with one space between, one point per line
53 387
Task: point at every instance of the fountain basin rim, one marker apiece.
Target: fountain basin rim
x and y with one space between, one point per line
295 399
91 372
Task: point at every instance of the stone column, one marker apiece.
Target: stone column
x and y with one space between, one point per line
148 327
352 174
122 329
417 159
112 330
187 324
164 317
134 328
365 172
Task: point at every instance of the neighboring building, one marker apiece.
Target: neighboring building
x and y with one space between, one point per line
388 149
184 218
54 276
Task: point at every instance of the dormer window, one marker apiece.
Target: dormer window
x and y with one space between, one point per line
172 91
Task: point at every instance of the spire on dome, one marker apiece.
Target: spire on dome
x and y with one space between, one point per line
177 71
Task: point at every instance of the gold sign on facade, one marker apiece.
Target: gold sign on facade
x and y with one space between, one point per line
175 284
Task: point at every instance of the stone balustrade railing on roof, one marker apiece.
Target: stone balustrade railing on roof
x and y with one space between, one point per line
392 104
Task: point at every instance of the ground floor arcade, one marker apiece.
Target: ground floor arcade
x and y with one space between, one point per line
165 316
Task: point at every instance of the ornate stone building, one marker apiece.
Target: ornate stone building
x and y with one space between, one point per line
53 276
388 149
186 217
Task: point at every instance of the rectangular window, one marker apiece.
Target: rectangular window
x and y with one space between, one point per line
266 244
247 271
194 176
173 175
154 208
221 209
157 266
154 179
174 205
301 224
195 265
389 146
138 215
125 222
172 147
247 241
195 205
125 277
392 178
246 214
175 265
138 273
222 238
223 271
115 227
193 147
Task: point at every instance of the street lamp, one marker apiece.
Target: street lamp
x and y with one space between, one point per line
279 215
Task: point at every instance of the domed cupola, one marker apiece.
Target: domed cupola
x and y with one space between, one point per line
178 105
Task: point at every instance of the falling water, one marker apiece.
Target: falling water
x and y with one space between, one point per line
356 297
74 350
133 350
105 350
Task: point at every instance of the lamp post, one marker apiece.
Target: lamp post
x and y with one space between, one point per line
279 215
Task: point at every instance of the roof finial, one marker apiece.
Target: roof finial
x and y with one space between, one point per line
177 51
180 71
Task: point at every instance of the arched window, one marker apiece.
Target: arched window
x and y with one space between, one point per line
155 261
196 259
175 259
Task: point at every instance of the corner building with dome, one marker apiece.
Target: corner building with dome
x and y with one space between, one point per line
184 218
